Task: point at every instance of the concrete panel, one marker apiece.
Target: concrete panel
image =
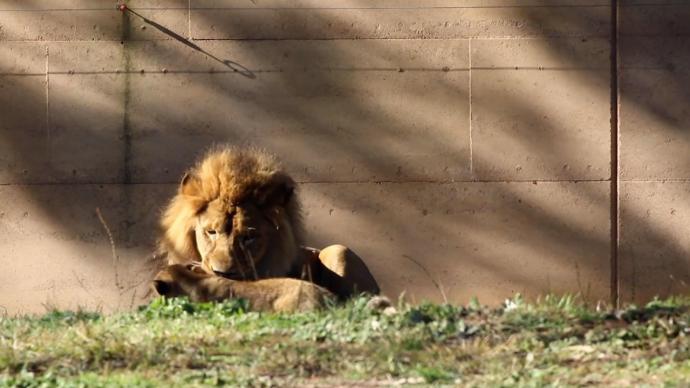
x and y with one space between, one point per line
51 25
45 5
71 57
22 58
87 138
172 19
23 133
91 20
401 23
540 124
562 53
81 141
489 240
56 253
386 4
655 247
473 239
264 56
166 4
669 53
654 131
329 126
667 18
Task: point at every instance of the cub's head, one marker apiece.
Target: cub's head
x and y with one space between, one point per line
179 280
236 213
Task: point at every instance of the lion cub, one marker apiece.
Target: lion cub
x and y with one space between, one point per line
271 295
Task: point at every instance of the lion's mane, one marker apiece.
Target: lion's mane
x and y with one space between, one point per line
234 175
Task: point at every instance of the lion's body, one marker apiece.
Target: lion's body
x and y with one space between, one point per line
236 215
273 295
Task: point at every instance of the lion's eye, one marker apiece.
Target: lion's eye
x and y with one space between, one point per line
211 232
251 236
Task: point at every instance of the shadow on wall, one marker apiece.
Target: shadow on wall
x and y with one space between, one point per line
492 176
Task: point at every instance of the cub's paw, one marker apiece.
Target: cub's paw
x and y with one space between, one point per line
196 267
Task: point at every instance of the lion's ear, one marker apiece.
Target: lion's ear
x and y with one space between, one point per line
277 192
190 185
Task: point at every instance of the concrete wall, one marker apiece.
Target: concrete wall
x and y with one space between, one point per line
460 145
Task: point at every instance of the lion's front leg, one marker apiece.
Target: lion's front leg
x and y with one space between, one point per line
340 270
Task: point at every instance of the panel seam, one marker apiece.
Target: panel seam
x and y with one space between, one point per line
615 159
469 92
48 131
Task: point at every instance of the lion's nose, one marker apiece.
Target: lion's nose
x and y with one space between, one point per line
218 269
229 273
219 273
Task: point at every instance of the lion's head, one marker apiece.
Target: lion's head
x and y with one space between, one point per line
235 212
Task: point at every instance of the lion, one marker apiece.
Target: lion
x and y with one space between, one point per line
236 216
269 295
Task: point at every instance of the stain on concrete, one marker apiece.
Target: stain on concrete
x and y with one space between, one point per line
126 131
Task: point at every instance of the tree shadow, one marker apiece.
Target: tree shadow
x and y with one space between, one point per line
381 150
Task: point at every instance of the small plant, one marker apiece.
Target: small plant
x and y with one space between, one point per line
177 307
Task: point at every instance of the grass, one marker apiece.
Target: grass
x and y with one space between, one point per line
554 341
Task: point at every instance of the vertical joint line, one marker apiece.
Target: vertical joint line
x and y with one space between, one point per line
126 203
615 158
48 134
469 91
189 20
126 130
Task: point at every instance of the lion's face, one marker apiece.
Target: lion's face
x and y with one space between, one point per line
233 240
235 213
